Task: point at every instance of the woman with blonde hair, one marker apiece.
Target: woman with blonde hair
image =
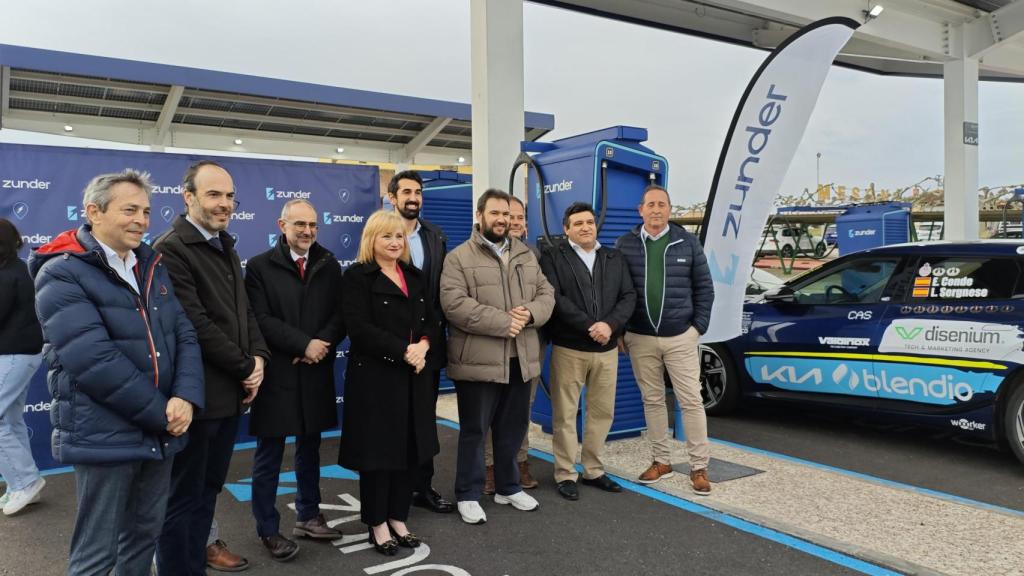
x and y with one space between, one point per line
388 424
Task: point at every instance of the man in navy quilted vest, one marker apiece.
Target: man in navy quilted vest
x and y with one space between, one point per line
673 307
125 373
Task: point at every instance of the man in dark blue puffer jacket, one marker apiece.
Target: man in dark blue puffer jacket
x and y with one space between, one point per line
125 373
673 308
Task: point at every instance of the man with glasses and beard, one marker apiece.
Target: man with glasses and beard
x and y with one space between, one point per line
207 275
295 289
495 298
428 247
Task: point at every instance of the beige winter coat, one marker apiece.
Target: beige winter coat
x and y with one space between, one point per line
477 291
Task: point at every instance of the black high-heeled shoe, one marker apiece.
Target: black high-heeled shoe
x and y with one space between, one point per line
389 548
410 540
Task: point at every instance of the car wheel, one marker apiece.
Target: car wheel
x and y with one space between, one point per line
720 388
819 249
787 251
1013 422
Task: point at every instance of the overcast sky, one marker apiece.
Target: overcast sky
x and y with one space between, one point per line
587 71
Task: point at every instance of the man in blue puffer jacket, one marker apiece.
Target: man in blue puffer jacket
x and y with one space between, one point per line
125 373
673 308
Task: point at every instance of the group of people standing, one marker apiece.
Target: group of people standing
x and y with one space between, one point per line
155 353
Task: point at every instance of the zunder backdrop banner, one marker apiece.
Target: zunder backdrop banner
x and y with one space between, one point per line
41 192
765 132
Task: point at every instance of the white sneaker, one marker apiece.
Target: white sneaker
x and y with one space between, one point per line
18 499
520 501
4 499
471 512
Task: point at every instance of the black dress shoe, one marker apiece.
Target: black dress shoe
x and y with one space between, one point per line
410 540
389 548
433 501
603 482
567 489
280 548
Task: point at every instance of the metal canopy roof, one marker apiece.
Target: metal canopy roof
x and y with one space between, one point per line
909 38
161 105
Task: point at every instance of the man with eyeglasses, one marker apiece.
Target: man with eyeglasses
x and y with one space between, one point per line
207 275
428 247
295 290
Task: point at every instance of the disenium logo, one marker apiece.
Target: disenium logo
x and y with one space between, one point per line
72 213
242 215
272 240
346 240
20 210
563 186
167 213
344 195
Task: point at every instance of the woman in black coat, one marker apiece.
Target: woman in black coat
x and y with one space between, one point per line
388 424
21 341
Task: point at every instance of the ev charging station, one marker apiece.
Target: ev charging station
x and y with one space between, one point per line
873 225
608 169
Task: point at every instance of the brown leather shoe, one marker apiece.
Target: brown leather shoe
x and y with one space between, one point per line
316 528
699 479
219 558
656 472
526 481
489 481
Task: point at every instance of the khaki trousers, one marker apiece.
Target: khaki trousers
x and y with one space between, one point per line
651 356
571 371
524 449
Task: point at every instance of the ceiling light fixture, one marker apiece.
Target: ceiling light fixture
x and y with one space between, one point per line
238 141
875 12
68 127
340 150
462 159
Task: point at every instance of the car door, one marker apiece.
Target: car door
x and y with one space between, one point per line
816 339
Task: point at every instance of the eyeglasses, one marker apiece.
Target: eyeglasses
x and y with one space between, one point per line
311 226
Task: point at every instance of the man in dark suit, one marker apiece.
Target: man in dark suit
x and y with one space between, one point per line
428 248
295 290
207 277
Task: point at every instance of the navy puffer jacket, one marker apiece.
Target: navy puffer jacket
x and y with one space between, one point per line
689 290
115 357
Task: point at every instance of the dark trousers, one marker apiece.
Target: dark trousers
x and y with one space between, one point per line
384 495
266 469
120 514
505 410
423 475
196 480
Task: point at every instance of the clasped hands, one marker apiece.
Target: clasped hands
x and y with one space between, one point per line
600 332
520 318
416 355
316 351
179 416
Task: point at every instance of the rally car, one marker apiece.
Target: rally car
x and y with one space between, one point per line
927 333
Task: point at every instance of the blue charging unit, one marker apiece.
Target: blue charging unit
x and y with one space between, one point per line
448 203
608 169
873 225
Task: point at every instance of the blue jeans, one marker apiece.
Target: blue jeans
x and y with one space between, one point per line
120 514
16 463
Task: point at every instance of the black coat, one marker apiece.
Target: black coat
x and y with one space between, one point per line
435 244
385 401
211 289
295 399
19 327
583 298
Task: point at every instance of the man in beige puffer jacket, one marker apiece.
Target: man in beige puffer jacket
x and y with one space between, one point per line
495 298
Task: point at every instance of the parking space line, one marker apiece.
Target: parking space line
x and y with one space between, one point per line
875 479
787 540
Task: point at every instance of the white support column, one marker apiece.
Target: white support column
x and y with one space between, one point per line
496 44
960 83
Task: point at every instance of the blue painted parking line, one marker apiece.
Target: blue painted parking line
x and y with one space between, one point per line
874 479
734 522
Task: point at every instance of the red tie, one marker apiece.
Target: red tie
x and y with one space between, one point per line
301 261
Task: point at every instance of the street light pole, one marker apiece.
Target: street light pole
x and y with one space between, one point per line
818 168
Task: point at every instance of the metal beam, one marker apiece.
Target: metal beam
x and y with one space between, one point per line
421 140
5 92
163 123
991 30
